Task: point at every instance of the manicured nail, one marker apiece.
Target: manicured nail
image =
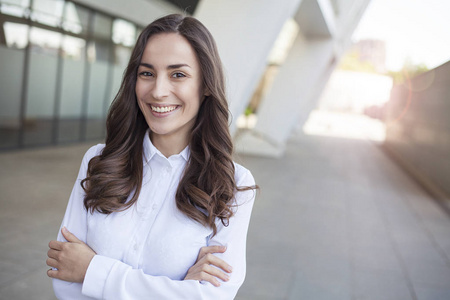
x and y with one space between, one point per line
224 248
230 269
65 229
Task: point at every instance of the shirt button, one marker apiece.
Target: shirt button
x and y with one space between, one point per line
154 206
135 247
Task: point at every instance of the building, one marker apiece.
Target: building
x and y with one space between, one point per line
62 62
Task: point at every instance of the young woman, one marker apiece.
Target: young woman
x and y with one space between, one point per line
160 211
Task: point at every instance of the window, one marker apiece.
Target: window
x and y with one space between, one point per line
48 12
73 47
45 41
16 35
17 8
124 33
76 19
102 26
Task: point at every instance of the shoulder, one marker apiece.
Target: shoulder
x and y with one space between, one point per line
90 153
244 198
243 176
93 151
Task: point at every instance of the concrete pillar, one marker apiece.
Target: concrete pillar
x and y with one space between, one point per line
245 32
292 93
324 34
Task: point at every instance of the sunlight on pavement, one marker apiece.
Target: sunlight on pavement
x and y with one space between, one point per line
344 125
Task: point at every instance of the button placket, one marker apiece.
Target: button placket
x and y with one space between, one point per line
167 170
165 185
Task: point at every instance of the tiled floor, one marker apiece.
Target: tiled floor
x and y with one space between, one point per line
335 219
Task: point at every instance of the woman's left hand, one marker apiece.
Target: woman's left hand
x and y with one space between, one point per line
71 259
208 267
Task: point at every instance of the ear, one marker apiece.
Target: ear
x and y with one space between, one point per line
206 94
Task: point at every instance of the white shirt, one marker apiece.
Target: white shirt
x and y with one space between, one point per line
145 251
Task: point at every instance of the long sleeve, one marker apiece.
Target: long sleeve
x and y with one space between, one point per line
109 278
75 221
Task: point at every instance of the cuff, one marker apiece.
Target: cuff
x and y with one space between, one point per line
96 275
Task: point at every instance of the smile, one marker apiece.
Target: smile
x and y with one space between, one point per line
163 109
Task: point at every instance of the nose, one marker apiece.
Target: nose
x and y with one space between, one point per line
161 88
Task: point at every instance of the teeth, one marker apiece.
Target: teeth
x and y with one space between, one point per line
163 109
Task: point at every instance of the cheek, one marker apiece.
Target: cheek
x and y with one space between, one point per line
138 90
192 97
142 89
141 106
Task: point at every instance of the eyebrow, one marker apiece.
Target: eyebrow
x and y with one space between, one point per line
176 66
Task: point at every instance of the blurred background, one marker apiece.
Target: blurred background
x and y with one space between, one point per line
339 108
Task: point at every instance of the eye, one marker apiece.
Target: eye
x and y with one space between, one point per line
178 75
146 74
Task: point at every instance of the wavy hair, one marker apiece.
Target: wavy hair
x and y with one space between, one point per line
207 187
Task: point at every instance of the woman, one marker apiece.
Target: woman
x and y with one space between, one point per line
150 206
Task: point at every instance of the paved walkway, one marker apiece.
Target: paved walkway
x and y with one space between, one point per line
335 219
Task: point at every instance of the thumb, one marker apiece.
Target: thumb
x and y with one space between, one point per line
70 237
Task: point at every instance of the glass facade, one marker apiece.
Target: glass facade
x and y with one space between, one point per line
62 65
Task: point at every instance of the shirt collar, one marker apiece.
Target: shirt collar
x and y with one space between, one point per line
150 150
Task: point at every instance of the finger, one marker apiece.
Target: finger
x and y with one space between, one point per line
55 245
211 259
211 249
52 253
213 271
52 262
70 237
211 279
52 273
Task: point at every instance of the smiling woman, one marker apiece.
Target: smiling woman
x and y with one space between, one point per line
169 90
160 211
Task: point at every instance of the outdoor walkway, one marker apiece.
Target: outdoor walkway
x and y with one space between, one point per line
335 219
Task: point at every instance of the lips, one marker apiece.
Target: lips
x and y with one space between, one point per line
163 109
160 111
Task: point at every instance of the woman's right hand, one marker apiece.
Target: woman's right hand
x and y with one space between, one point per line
208 267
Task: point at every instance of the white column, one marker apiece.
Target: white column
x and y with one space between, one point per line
245 31
303 75
293 92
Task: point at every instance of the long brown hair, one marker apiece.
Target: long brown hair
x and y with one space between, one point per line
207 187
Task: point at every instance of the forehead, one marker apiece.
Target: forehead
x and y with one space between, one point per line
167 49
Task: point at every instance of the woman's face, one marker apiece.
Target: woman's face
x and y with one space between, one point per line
169 86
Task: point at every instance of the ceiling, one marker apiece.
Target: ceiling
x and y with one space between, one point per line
188 6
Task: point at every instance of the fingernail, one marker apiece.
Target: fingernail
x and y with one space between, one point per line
65 229
230 269
224 248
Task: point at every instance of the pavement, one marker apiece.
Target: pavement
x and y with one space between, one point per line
335 219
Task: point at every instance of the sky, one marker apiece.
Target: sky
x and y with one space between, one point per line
418 30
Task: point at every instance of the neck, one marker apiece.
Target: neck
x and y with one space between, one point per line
169 145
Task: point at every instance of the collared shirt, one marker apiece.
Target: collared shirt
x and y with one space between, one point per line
145 251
